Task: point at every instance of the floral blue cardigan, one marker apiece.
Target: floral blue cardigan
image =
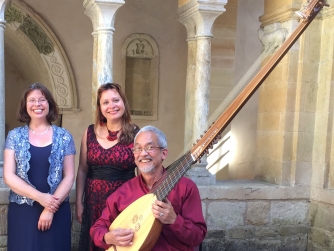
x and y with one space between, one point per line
62 144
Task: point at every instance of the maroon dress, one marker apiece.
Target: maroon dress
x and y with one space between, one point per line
108 170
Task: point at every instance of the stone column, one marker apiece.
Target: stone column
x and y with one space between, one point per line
198 17
95 83
102 13
3 5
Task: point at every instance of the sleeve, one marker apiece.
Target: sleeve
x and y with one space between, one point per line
10 141
189 227
70 148
101 226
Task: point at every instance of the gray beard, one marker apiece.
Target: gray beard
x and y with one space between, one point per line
148 170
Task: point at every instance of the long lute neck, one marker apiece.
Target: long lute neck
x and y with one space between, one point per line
171 177
176 170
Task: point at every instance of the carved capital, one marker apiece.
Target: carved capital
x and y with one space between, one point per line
198 16
102 13
272 37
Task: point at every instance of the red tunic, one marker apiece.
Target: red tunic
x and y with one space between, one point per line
189 229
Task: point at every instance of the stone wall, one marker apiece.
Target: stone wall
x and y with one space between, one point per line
321 234
240 215
253 215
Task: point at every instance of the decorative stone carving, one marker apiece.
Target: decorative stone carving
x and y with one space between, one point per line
30 28
140 48
37 36
140 54
14 15
24 21
272 36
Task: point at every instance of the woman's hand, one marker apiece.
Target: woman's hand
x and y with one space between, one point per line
49 201
79 211
45 220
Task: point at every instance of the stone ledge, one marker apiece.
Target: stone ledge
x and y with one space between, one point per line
232 190
252 190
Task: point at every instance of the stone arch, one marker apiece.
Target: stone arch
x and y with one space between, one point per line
37 52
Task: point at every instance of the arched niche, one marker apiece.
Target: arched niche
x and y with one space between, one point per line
140 64
37 54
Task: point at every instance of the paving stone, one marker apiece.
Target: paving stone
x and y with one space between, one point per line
289 212
257 213
225 214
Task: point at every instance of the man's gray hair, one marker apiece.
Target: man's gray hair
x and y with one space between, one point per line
162 141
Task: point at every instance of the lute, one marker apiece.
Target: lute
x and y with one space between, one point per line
138 216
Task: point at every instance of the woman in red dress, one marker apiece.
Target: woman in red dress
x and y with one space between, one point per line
106 160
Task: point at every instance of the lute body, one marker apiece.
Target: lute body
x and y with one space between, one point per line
138 216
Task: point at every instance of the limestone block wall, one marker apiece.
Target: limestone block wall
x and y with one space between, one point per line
286 115
242 215
322 193
252 215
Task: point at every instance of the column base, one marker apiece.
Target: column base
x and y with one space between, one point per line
200 175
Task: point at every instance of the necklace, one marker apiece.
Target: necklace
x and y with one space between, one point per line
112 135
41 132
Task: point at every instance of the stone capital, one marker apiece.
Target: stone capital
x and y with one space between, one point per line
102 13
198 16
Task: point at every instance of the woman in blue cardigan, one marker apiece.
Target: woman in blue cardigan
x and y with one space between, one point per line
39 170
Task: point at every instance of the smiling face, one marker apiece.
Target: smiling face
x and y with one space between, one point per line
112 105
149 162
37 105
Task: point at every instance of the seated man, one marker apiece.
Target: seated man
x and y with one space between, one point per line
183 223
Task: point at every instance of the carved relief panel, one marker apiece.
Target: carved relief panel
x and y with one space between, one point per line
141 75
23 20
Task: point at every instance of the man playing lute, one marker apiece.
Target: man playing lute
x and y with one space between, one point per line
181 213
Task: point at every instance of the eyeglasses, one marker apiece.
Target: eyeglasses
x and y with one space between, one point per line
40 101
147 149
